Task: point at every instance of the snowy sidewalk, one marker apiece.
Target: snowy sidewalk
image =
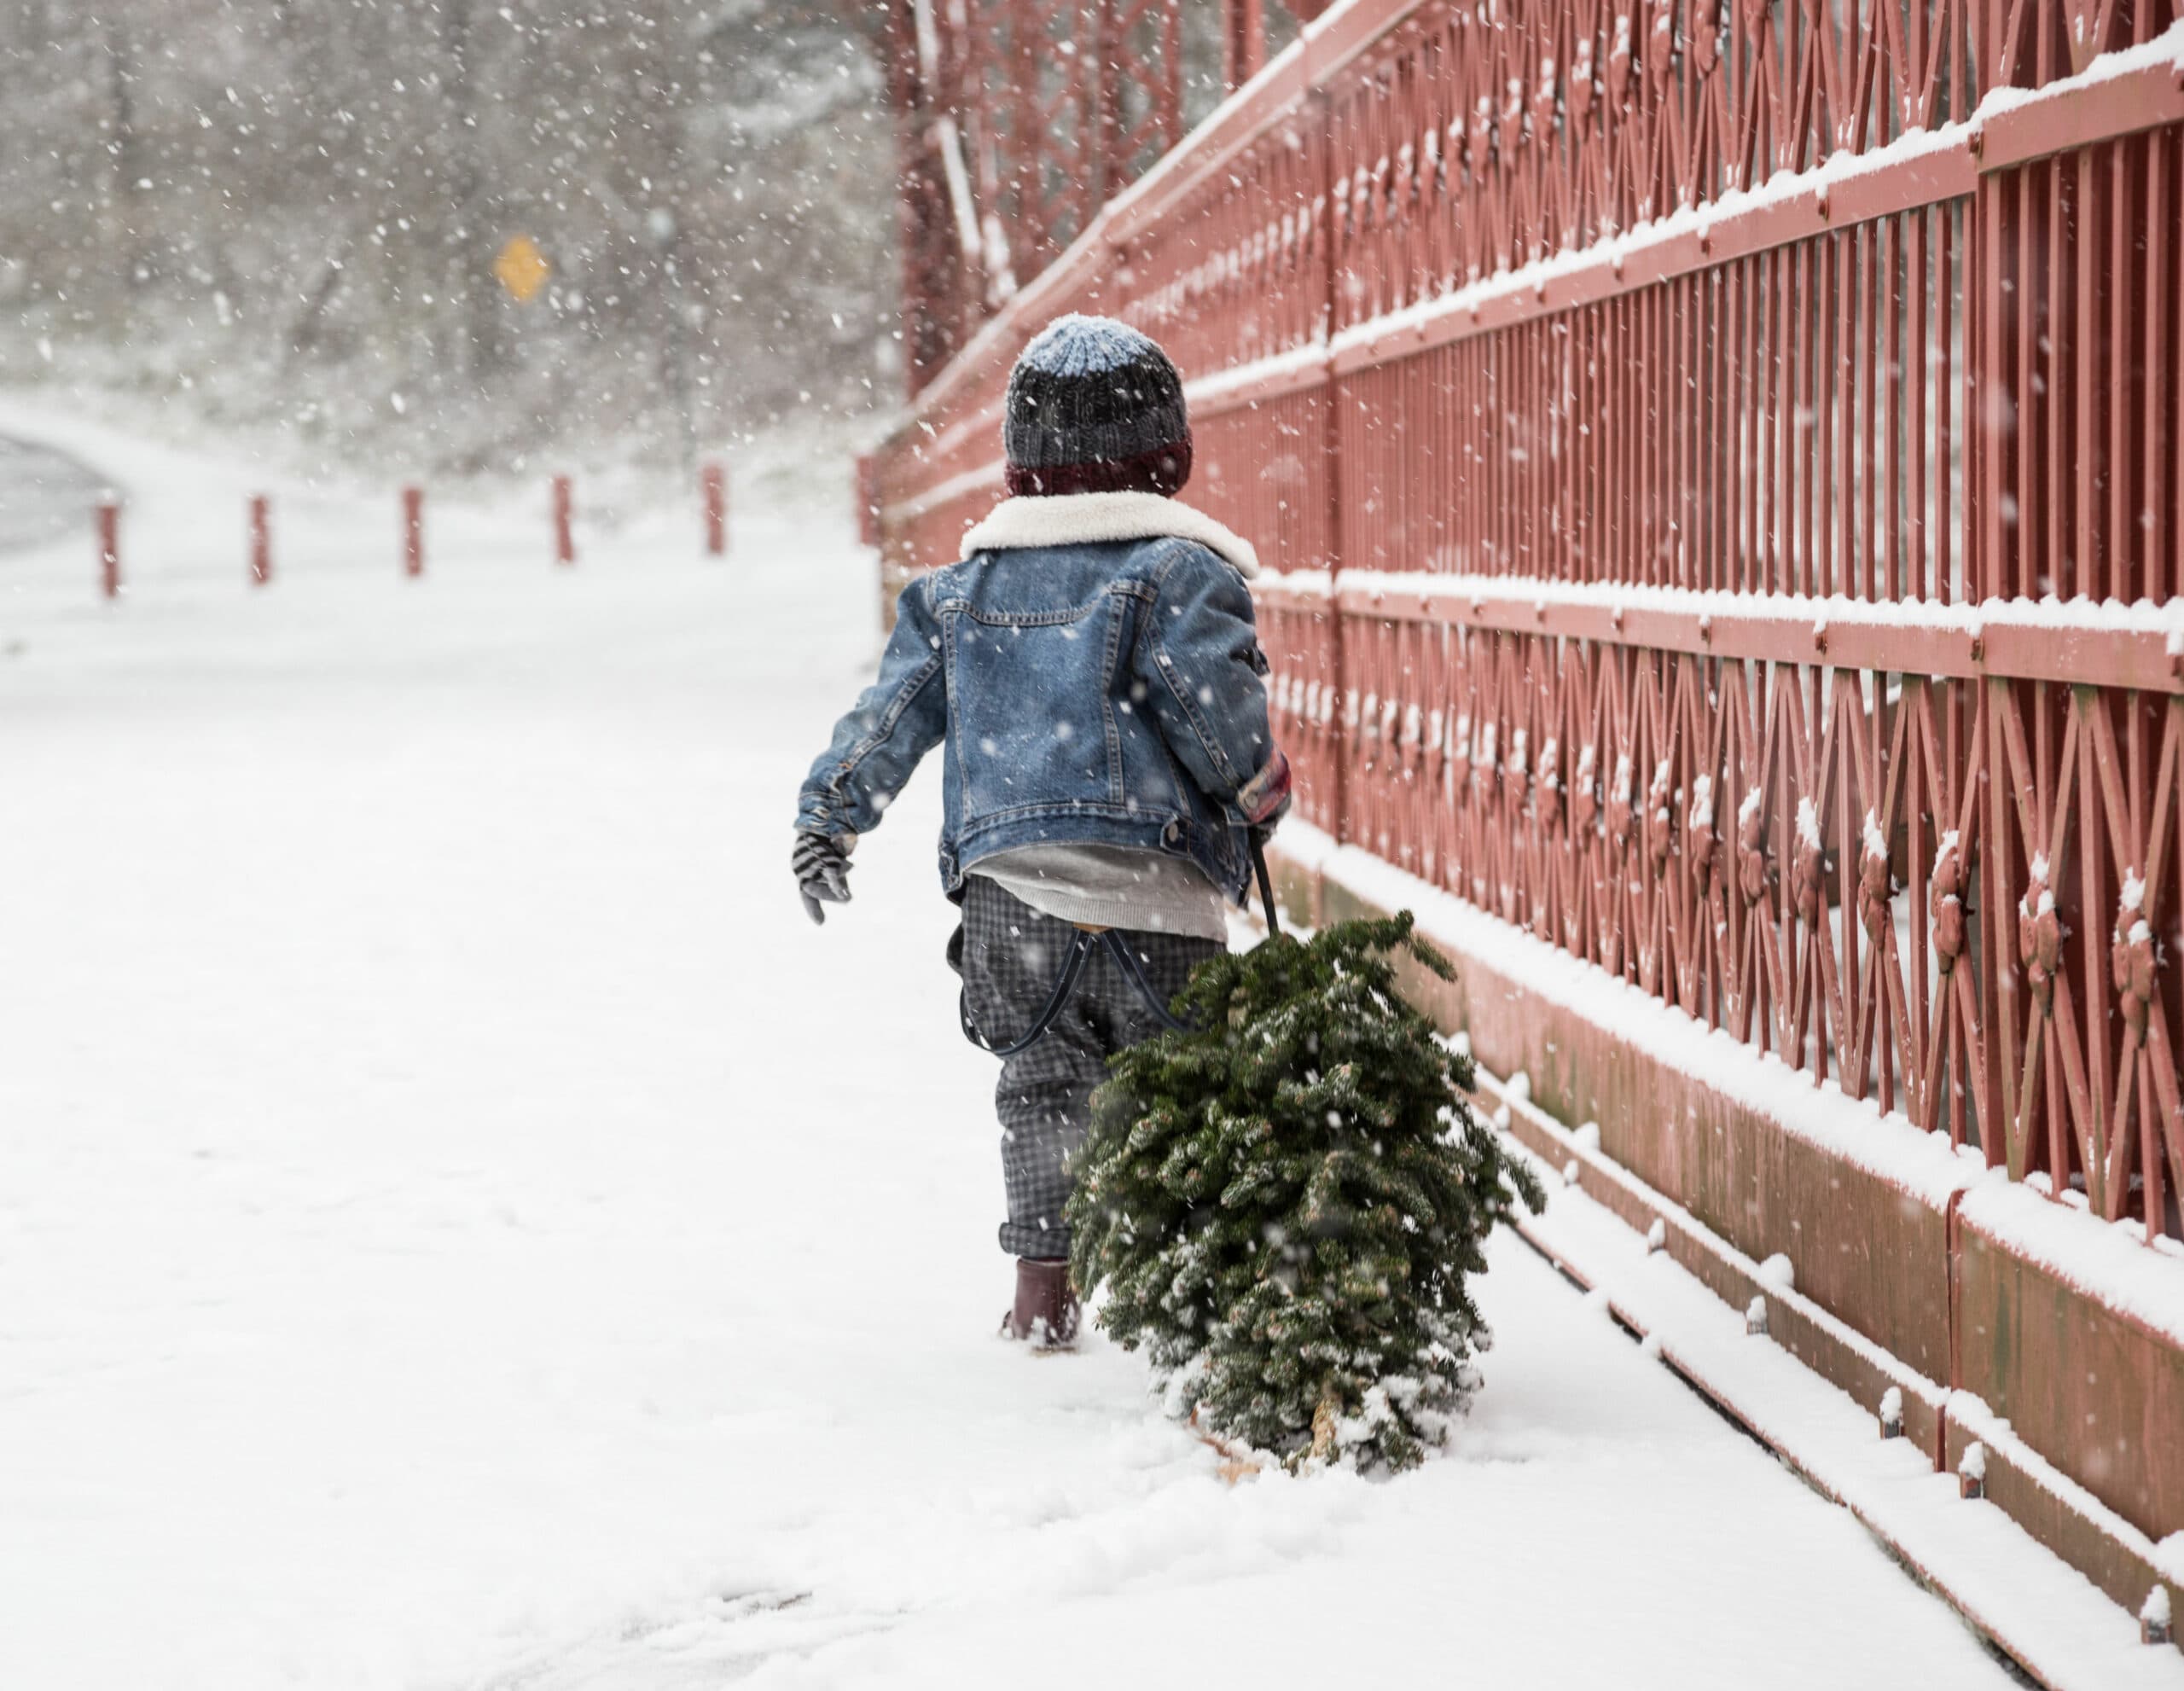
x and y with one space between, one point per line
461 1226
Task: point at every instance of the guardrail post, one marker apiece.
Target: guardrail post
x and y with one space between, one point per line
565 539
867 500
261 540
713 485
413 531
109 528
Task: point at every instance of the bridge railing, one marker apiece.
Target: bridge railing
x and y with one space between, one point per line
1723 469
1722 466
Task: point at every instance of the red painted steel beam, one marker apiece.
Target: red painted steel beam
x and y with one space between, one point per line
1792 210
2064 118
2043 120
2005 639
993 104
1243 41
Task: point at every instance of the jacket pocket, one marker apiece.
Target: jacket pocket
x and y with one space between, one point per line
1030 702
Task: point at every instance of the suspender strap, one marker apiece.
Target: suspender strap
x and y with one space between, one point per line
1073 965
1124 959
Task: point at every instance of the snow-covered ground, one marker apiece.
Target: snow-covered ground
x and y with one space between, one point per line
460 1225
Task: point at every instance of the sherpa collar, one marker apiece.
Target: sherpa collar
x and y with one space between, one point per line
1067 518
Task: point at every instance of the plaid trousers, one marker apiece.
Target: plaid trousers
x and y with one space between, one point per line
1009 956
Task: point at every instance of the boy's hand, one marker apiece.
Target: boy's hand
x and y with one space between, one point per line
822 868
1264 799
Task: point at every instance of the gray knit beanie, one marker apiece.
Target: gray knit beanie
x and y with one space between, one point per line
1095 407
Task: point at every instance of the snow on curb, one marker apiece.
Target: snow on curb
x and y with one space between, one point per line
2043 1613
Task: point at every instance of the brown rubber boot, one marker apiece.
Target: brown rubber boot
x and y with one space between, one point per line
1046 1306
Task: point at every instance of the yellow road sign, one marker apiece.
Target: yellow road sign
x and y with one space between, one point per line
522 269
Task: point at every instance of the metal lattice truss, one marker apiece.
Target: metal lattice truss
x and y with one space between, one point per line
1721 475
1018 119
1796 854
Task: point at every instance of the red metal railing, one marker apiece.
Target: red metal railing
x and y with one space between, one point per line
1724 469
1017 120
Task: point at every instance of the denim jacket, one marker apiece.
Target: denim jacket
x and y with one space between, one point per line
1094 668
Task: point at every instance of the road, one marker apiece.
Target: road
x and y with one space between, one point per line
461 1226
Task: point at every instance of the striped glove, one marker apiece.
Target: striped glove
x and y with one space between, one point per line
822 863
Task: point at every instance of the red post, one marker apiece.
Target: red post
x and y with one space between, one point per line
413 531
110 549
712 481
261 540
867 500
565 539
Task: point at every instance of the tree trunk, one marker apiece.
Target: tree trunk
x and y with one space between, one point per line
471 233
125 237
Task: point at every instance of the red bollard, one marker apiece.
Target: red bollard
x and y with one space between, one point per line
413 531
713 482
261 540
110 549
867 500
565 540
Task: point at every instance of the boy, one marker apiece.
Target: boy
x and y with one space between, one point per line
1093 667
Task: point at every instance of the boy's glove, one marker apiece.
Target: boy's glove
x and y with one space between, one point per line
822 863
1264 799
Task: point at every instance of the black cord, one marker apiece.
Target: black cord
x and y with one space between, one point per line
1266 888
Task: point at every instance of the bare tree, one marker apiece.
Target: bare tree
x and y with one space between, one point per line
295 208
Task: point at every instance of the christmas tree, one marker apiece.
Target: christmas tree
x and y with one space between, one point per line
1286 1204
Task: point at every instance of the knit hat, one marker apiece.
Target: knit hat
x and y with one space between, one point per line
1095 407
